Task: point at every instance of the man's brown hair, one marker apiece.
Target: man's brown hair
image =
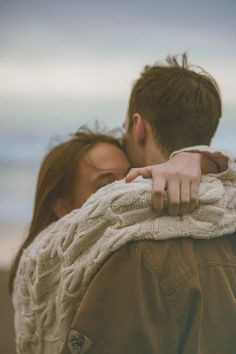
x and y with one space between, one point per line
182 106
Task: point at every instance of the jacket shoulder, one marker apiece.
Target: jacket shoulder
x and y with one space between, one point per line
174 261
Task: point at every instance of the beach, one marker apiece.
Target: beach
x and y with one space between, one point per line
7 337
10 239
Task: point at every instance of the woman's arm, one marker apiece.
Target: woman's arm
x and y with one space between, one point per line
180 176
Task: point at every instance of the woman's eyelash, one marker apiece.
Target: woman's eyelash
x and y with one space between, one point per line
105 182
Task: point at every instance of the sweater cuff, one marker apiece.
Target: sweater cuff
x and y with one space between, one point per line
223 159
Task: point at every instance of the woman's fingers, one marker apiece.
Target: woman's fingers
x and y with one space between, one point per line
184 197
179 177
135 172
158 192
173 197
194 187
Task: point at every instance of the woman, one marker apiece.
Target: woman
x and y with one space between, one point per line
58 259
69 174
97 158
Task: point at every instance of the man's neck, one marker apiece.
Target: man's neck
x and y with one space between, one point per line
153 155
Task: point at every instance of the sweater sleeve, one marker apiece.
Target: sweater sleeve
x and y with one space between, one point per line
123 310
225 160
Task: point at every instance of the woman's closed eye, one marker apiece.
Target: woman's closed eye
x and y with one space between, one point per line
104 182
107 178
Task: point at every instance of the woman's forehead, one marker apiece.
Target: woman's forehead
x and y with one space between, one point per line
104 156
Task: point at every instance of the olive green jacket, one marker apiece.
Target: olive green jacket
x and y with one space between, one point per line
160 297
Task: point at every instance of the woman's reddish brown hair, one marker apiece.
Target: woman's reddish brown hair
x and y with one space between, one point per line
56 180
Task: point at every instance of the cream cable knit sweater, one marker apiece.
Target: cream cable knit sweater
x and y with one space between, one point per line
56 269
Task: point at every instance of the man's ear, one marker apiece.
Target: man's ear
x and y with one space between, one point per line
61 207
139 129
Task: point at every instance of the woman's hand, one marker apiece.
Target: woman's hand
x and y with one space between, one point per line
178 177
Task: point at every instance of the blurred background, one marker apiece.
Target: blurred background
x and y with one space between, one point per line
67 63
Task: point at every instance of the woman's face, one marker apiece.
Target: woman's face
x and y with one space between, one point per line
104 163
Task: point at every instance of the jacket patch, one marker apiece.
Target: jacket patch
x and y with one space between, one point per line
78 343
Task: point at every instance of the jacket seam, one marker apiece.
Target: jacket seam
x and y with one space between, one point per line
167 298
178 283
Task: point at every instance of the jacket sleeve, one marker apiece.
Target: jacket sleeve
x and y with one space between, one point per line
123 310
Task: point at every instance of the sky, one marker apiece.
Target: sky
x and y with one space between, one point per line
65 63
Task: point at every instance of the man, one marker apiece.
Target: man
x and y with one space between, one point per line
177 295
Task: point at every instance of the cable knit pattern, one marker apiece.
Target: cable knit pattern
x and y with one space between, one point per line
56 269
